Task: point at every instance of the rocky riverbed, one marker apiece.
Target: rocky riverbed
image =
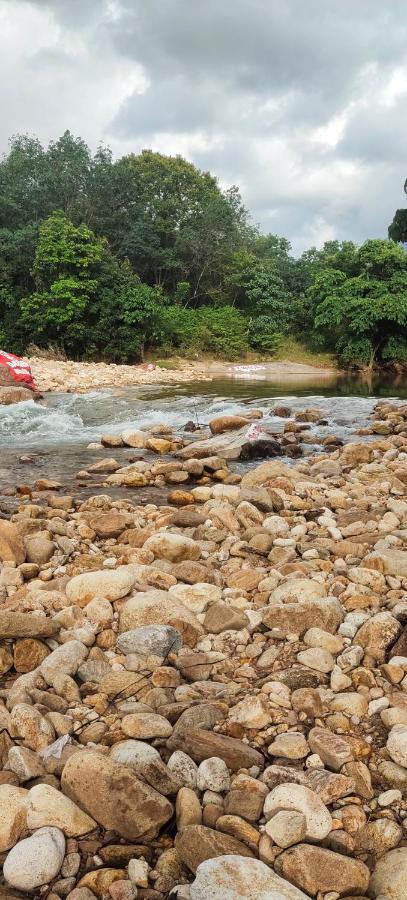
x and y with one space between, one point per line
206 698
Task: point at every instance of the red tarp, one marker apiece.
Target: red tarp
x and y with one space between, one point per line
19 369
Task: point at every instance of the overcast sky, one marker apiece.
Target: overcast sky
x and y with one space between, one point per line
302 103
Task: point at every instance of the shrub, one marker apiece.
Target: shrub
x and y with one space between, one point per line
263 336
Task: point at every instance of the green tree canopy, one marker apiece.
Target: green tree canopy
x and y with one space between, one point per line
366 313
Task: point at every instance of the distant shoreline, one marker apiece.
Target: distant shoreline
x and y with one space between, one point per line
58 375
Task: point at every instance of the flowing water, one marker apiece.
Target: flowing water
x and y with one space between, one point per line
56 431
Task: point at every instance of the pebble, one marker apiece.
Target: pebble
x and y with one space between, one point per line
209 694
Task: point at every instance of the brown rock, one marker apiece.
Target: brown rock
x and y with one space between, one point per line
39 549
220 617
28 654
114 796
202 745
109 524
332 749
227 423
196 843
20 625
14 394
159 608
11 545
296 618
314 869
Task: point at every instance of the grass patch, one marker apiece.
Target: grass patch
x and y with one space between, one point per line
292 350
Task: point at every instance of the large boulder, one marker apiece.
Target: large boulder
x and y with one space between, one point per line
296 618
159 608
36 860
314 869
26 625
114 796
13 815
201 744
239 878
48 807
109 584
15 394
389 878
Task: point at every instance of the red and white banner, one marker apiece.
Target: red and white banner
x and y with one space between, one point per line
18 368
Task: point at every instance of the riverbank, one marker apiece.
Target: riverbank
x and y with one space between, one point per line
226 669
80 377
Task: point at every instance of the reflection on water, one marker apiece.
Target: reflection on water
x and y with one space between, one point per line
59 428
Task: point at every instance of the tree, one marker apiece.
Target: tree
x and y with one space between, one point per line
365 314
85 300
170 220
398 227
65 279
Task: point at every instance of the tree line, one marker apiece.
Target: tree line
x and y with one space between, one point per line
105 259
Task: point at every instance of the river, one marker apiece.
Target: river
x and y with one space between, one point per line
57 430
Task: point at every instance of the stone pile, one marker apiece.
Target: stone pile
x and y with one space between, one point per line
209 701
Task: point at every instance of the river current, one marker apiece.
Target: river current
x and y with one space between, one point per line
57 430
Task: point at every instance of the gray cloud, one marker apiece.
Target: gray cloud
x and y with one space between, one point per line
301 104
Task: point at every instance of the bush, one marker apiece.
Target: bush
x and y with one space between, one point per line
222 331
263 336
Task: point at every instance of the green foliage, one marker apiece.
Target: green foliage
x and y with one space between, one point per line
263 336
106 258
221 331
398 227
365 313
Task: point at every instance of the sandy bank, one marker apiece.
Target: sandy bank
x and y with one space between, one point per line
57 375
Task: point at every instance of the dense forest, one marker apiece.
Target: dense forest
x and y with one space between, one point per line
105 259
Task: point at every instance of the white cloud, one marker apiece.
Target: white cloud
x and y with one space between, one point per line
302 105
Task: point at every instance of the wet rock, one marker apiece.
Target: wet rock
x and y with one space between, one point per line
12 548
227 423
114 796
